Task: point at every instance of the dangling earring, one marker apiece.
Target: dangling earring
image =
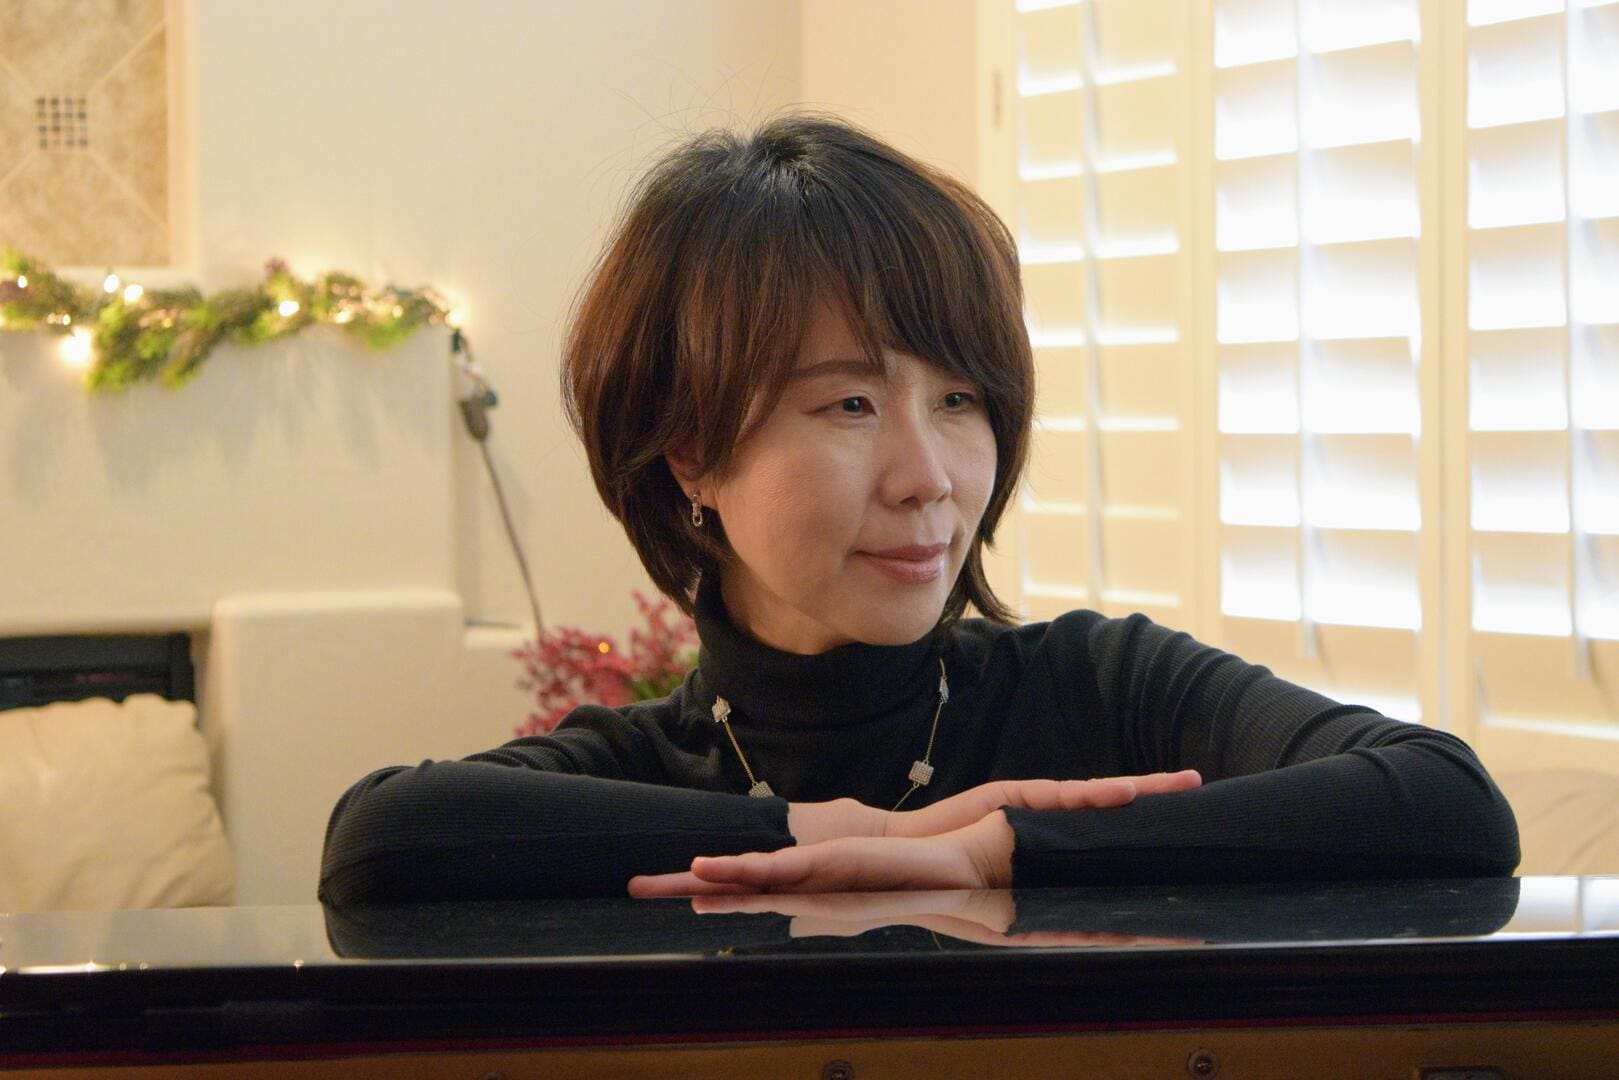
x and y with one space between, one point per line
696 510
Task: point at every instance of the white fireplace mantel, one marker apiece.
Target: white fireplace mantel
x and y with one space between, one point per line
304 464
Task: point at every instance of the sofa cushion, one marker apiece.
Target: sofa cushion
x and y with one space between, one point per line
107 805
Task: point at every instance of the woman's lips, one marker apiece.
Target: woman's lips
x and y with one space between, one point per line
909 571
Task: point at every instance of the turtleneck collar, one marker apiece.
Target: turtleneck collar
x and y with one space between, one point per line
847 685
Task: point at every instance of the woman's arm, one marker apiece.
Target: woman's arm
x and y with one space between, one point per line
574 814
1295 785
526 820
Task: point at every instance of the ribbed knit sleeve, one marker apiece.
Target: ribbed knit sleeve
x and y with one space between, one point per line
522 821
1296 786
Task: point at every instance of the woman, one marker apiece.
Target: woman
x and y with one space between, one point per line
802 379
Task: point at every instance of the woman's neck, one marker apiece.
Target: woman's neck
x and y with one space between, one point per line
777 624
848 684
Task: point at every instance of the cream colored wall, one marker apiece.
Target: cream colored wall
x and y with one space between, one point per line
298 467
482 147
903 68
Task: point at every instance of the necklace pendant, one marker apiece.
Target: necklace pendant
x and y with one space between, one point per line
721 710
921 773
761 790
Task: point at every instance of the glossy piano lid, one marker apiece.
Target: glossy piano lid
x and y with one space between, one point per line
1216 919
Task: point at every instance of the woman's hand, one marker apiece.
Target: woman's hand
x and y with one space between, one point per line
978 856
963 842
811 823
961 810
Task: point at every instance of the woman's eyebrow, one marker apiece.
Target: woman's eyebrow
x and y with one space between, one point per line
840 366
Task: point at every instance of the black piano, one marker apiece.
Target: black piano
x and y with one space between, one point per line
1450 979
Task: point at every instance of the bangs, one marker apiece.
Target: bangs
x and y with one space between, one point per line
894 254
907 275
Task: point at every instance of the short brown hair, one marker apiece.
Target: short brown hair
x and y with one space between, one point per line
692 318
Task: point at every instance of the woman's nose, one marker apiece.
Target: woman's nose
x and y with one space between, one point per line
915 458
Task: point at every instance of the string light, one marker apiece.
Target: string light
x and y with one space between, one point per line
456 317
77 349
132 342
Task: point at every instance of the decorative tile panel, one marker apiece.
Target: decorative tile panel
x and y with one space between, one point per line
84 131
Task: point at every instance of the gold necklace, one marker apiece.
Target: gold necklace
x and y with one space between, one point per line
921 771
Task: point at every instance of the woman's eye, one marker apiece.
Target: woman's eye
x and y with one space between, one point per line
853 406
958 399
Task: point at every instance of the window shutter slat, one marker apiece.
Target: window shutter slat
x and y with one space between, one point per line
1344 310
1103 200
1317 304
1542 278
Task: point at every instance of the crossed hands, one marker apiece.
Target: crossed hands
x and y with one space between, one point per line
963 842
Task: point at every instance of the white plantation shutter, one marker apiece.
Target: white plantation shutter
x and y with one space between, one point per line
1538 353
1326 486
1362 258
1102 201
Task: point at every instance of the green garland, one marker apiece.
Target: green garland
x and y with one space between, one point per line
165 334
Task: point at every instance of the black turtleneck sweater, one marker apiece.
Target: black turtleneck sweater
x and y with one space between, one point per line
1295 786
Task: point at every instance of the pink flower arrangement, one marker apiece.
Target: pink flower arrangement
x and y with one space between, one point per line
567 666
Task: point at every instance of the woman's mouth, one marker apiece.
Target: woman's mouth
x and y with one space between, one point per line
914 564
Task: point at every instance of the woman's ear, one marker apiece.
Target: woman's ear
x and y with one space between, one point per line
683 463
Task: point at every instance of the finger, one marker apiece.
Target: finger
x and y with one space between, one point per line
1068 794
759 869
849 864
970 806
1162 783
1057 794
685 883
1100 793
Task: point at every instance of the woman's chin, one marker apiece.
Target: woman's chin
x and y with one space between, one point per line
904 637
897 627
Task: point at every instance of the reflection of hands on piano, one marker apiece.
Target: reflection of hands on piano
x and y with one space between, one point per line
982 916
911 921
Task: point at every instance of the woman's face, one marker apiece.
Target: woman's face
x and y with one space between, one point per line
852 507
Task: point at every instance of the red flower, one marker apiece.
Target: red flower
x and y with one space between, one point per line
567 667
